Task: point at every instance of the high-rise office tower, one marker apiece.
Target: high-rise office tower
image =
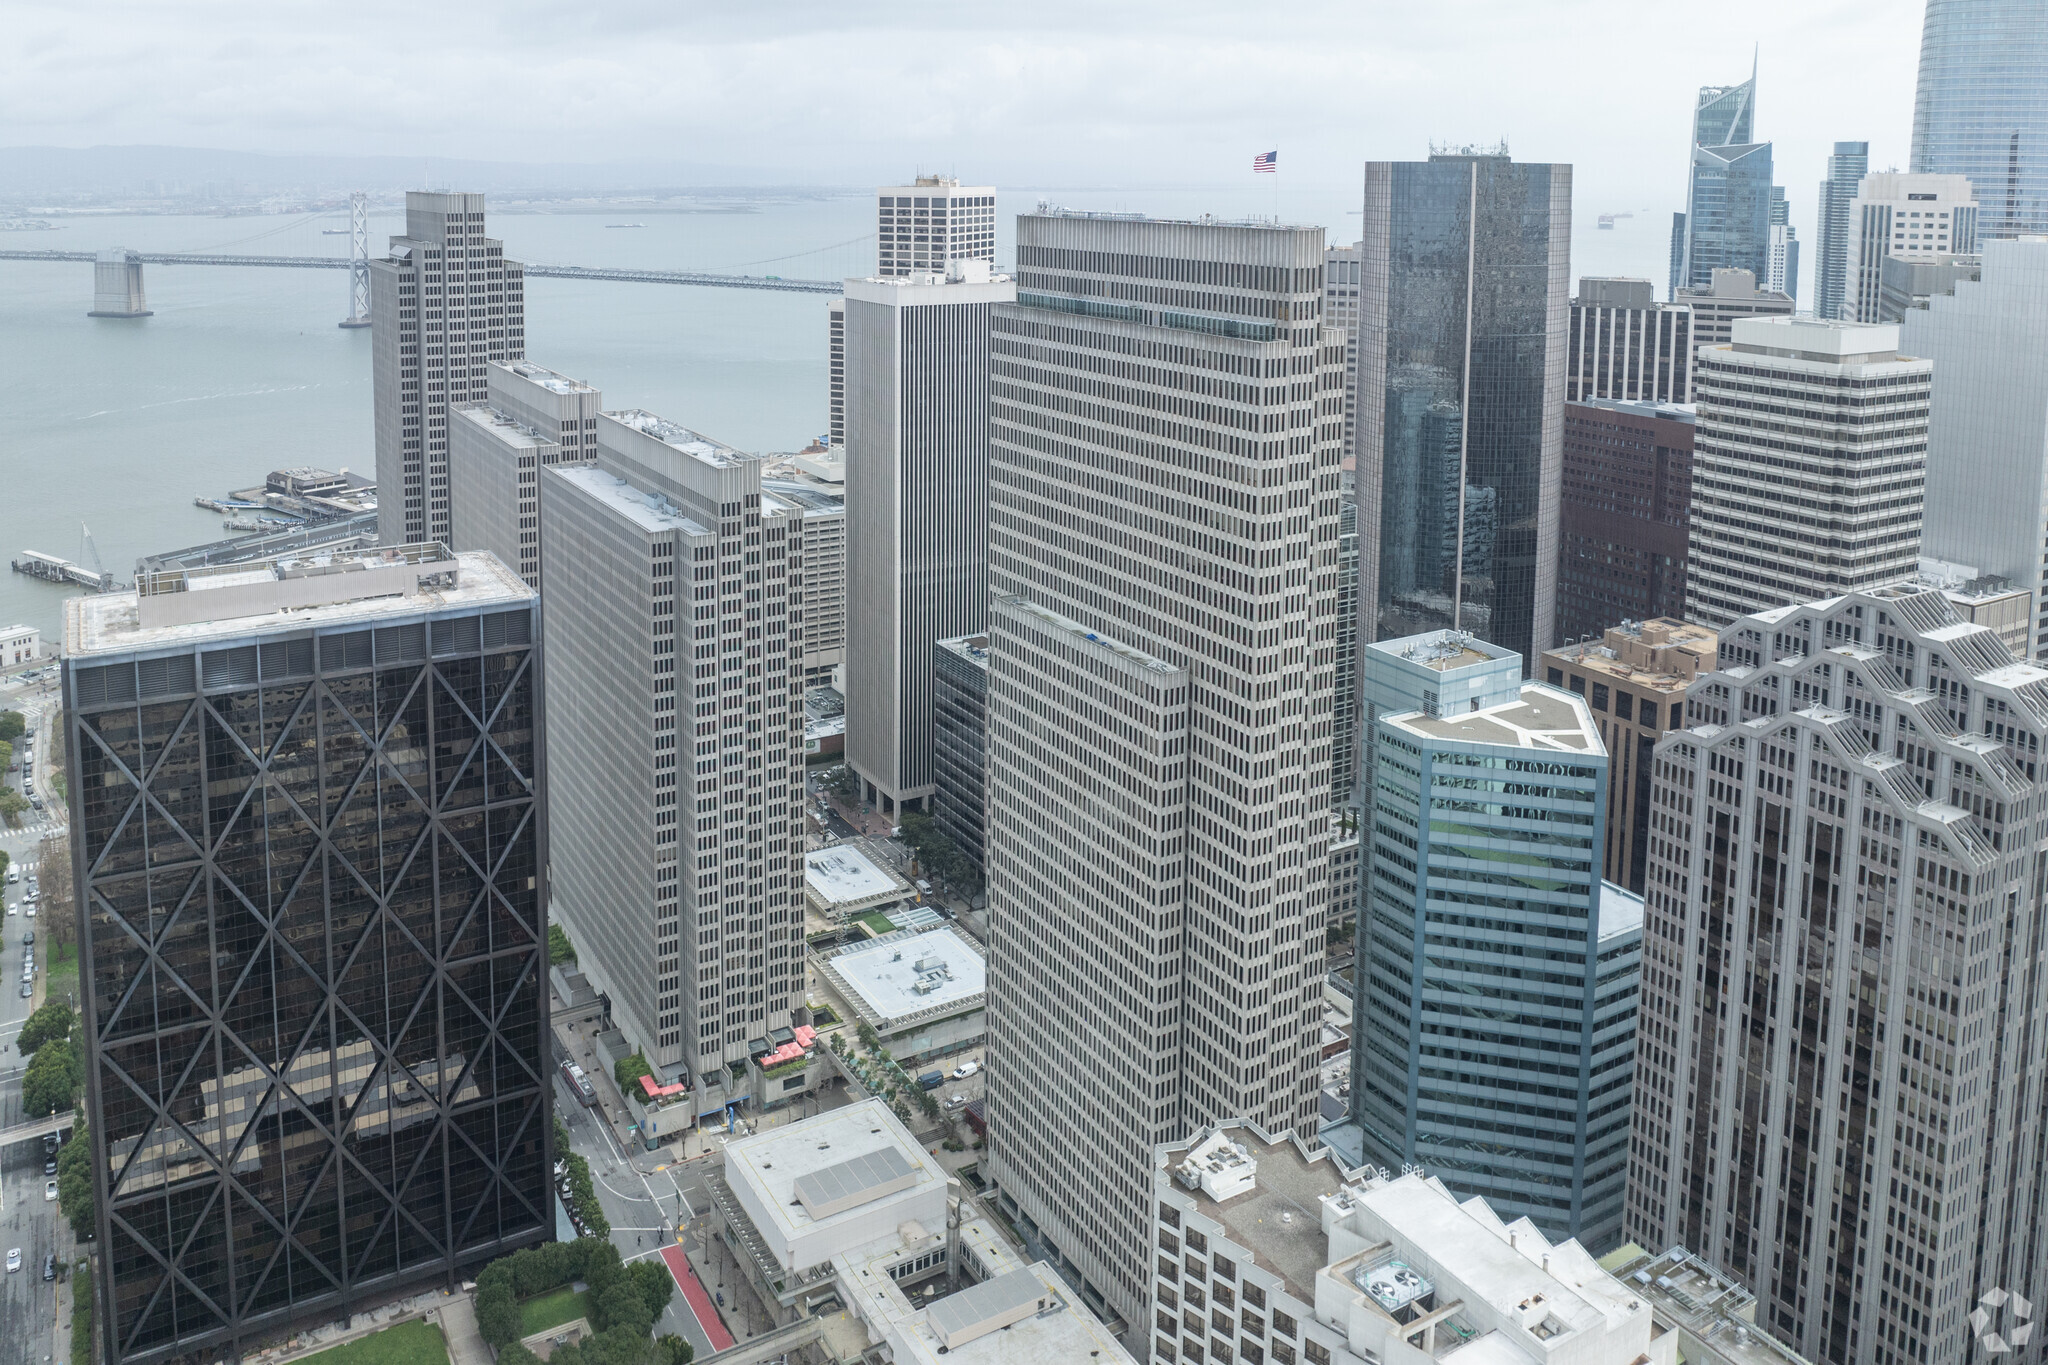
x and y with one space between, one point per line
1987 468
1823 498
443 304
310 847
1463 315
1728 298
1784 253
835 328
922 228
1506 1083
1344 706
1627 501
1634 676
674 606
1846 169
1163 553
814 482
1911 217
917 433
1341 283
531 418
1727 218
1626 345
1978 111
1840 1040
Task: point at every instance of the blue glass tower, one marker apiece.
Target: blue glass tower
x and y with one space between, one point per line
1494 1025
1982 107
1727 218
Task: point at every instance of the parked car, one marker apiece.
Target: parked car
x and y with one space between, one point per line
49 1165
932 1080
13 1259
28 988
29 937
49 1193
50 1260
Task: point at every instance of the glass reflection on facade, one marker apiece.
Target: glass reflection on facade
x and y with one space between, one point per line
1982 107
1462 336
1727 218
314 960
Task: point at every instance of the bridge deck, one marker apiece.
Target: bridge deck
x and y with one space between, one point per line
773 283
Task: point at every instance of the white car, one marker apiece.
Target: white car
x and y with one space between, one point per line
965 1069
49 1189
14 907
13 1259
31 911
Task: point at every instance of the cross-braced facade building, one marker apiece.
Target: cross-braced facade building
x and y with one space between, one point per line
1842 1040
309 843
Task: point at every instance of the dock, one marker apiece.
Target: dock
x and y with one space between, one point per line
51 569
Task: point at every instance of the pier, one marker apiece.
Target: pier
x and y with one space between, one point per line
51 569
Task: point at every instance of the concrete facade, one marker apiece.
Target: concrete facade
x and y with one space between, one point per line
674 602
917 453
1731 296
1625 345
922 228
444 302
531 419
1904 217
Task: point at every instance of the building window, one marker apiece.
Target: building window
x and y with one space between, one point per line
1624 705
1554 676
1599 696
1225 1269
1317 1353
1283 1324
1578 684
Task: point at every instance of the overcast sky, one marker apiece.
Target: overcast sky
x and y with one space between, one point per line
1060 92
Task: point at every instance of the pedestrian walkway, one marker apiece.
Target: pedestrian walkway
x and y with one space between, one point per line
458 1324
706 1312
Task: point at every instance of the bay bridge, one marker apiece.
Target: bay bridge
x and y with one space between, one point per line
533 271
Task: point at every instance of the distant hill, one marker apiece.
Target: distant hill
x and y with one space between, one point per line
32 171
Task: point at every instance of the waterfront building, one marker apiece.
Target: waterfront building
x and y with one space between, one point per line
531 419
1835 1015
917 497
1782 275
1509 1084
1164 518
1904 217
263 758
444 303
674 604
1987 475
1634 678
1826 497
20 645
1728 298
1978 110
1267 1252
813 483
1845 172
1727 218
923 228
1627 502
1462 345
1626 345
960 742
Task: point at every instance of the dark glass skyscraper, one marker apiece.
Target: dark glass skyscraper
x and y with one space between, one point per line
1982 107
1463 305
309 841
1727 218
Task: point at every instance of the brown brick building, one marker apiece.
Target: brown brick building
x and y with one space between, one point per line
1627 488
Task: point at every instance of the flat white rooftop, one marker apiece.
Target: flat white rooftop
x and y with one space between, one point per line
1621 910
842 874
648 511
680 437
552 380
109 623
1542 717
886 974
775 1162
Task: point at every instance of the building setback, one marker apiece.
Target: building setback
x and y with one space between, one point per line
1841 1049
1845 171
1627 500
1818 495
1978 111
310 829
530 420
960 741
1166 419
815 485
1903 217
444 302
917 452
1634 678
674 604
1508 1083
1460 408
1987 471
1626 345
1728 298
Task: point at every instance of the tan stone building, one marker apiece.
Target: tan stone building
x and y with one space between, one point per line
1635 680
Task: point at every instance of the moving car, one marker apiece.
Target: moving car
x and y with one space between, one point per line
965 1069
49 1190
13 1259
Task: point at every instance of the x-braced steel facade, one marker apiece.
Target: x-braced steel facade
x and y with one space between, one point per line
314 954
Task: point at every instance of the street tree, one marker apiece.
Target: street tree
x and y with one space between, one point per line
53 875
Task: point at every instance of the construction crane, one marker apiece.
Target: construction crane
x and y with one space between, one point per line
89 551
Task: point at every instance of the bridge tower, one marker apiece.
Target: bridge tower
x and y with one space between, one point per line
358 261
117 285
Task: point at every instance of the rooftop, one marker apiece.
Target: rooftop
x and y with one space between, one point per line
1046 209
291 592
502 428
905 973
1662 655
648 511
807 498
1054 621
1442 650
548 379
842 874
973 648
1621 911
1714 1314
812 1154
1541 718
691 443
1279 1220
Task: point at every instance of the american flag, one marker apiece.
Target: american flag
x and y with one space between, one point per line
1266 162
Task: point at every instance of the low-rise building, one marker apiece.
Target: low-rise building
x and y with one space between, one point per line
1634 678
849 879
925 993
20 645
848 1207
1270 1252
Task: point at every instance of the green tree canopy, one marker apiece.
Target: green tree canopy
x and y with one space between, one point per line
50 1085
560 950
74 1182
12 723
55 1019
